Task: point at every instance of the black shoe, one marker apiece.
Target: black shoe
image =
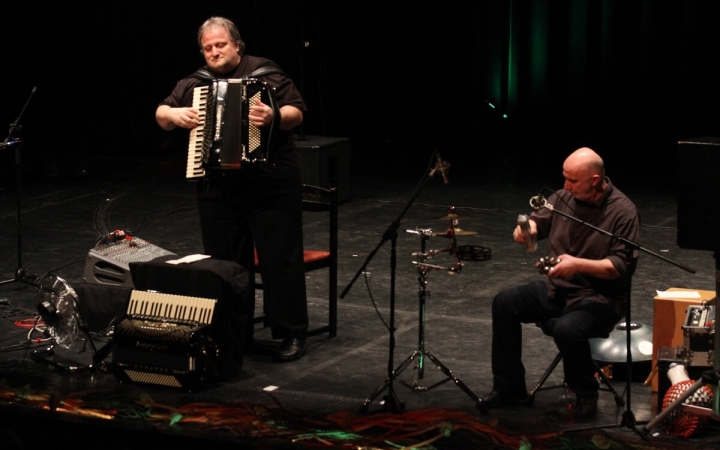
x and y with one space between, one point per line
586 405
290 350
497 399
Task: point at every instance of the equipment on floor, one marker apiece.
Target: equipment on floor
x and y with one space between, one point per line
164 340
64 323
185 322
109 262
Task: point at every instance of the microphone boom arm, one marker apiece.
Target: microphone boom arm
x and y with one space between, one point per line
538 202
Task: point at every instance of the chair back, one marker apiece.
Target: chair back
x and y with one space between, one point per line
319 199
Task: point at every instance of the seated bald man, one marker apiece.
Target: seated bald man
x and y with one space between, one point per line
585 291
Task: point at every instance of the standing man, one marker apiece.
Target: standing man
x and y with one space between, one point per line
246 210
586 290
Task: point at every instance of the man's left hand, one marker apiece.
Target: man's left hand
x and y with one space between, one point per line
566 267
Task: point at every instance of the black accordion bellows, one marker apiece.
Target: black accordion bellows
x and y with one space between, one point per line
225 139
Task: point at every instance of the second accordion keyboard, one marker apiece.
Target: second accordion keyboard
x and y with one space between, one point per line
225 139
165 340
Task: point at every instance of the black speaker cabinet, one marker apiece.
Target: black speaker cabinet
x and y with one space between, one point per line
698 206
325 162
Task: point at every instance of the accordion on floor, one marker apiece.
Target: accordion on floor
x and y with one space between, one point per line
225 139
164 340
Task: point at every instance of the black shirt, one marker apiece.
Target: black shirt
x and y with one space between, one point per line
614 213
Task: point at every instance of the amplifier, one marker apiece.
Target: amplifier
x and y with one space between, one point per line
109 265
325 162
698 206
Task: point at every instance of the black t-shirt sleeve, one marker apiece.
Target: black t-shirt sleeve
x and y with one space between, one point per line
182 94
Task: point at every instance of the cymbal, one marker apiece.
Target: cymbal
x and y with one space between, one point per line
453 216
456 232
463 232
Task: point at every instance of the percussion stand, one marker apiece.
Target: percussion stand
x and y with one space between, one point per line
391 400
12 142
420 354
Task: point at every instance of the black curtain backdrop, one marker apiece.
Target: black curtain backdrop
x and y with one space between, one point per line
627 77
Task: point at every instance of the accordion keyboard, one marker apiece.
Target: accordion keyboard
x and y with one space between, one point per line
195 144
168 307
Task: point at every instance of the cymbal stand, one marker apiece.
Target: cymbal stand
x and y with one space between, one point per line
421 353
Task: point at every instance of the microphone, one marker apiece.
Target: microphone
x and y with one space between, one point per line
530 240
421 231
443 168
538 202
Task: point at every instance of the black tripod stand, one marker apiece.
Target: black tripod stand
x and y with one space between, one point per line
392 402
421 353
14 142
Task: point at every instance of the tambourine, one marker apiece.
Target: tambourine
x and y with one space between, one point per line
473 253
546 263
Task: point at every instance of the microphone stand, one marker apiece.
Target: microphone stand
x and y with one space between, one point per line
391 400
628 418
11 142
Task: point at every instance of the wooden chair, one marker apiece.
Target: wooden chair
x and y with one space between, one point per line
317 199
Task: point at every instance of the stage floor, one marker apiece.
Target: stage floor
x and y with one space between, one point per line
336 396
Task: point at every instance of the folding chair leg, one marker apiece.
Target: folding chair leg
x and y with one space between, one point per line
543 379
619 400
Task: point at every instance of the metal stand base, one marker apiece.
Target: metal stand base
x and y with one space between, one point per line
417 386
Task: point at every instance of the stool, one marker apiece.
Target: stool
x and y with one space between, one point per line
547 328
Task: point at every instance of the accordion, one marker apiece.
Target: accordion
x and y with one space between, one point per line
225 139
165 340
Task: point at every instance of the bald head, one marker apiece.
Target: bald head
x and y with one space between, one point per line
585 158
584 173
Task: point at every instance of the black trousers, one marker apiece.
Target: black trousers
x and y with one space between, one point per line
529 303
235 221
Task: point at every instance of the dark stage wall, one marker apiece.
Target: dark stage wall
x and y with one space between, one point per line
629 78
